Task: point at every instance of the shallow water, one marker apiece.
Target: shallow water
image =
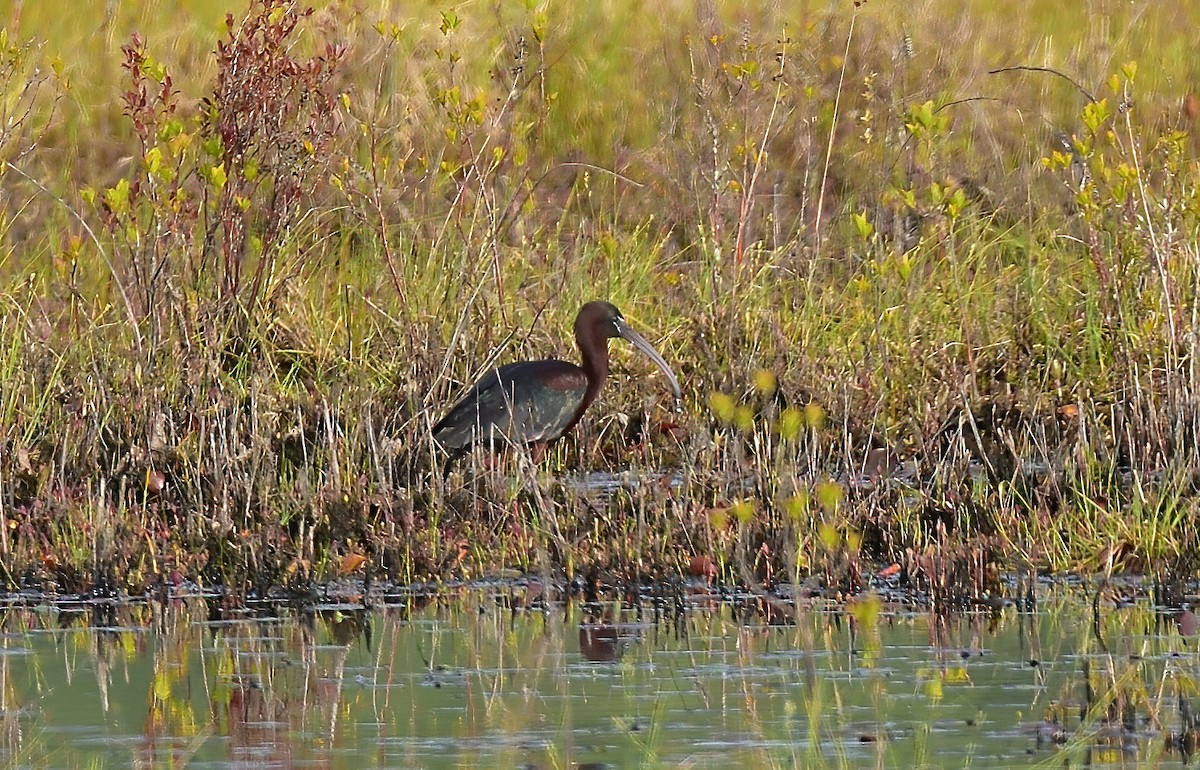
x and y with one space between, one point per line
497 675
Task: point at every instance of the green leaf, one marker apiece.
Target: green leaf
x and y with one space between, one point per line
1095 114
117 197
216 176
862 224
829 494
153 161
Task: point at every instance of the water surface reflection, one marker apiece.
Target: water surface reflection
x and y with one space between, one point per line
498 675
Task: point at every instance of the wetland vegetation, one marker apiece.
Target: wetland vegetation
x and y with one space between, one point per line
929 276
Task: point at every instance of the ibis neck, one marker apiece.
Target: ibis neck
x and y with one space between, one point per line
595 366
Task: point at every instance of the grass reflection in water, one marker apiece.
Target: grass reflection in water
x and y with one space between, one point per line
500 675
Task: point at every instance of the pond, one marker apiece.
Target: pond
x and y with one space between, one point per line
514 674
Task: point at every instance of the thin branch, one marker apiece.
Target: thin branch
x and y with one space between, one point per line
967 100
1051 70
594 167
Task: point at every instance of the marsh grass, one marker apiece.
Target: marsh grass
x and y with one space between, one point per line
246 264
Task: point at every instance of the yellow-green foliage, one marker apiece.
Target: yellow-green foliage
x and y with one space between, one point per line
919 230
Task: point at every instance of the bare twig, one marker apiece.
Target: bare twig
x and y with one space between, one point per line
1051 70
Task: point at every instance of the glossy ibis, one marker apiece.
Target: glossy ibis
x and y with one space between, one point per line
533 403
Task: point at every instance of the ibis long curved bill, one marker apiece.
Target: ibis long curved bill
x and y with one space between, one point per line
638 341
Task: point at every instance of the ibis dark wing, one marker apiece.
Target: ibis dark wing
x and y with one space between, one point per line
519 403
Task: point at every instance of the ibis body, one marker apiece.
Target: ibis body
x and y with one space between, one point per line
537 402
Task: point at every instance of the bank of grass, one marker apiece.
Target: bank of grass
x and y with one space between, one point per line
913 325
